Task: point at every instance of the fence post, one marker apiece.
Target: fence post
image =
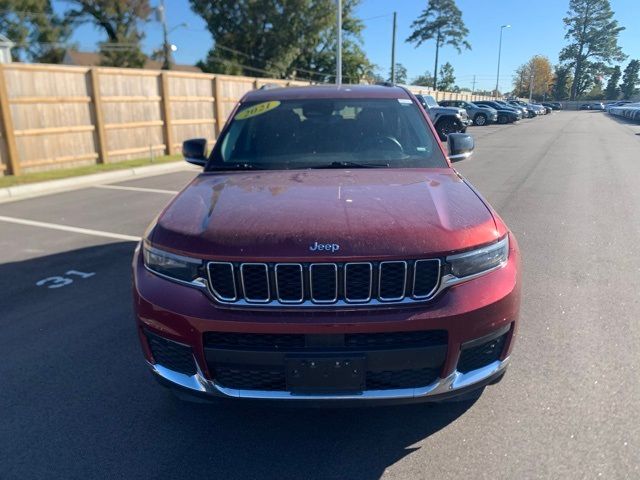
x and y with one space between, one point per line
166 112
217 104
7 132
101 140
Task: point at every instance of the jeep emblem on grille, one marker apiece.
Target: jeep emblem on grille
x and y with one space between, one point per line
327 247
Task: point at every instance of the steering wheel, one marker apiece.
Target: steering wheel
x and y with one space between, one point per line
386 144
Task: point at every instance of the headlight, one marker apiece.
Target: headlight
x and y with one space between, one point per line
479 260
170 265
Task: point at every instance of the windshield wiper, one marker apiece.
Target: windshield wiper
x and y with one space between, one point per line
351 165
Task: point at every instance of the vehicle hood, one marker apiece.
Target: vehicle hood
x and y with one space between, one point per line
489 110
450 110
369 213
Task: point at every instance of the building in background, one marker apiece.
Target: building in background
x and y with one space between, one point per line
92 59
5 49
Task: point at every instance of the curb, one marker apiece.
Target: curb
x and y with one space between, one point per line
20 192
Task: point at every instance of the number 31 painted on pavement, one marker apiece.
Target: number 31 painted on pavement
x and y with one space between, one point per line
58 281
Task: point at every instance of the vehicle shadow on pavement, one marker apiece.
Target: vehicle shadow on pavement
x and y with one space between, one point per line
79 402
293 442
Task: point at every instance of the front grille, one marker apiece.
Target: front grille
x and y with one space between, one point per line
423 338
171 355
393 280
411 378
250 378
357 282
304 284
298 341
255 282
268 341
481 355
256 361
244 378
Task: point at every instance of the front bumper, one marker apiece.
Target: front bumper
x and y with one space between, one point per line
470 312
455 383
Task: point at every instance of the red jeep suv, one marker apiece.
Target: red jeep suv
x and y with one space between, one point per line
328 252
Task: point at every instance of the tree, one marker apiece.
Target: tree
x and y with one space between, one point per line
596 92
447 78
401 74
39 35
120 20
442 21
612 91
283 38
535 75
424 80
561 82
593 37
630 80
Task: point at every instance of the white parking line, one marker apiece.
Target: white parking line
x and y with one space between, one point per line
137 189
67 228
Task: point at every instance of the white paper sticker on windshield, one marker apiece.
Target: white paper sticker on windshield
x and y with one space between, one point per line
405 101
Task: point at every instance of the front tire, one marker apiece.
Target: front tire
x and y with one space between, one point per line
480 120
502 119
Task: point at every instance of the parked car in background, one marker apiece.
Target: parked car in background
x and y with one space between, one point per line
527 111
592 106
478 115
446 120
533 109
552 105
519 108
610 105
629 110
505 115
259 281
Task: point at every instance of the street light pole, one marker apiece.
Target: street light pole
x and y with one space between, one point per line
499 53
393 50
339 47
166 46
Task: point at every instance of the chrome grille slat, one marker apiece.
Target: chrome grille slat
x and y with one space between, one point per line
424 293
283 283
382 287
298 284
251 282
314 294
221 283
357 280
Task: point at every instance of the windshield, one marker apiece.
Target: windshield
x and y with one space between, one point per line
326 133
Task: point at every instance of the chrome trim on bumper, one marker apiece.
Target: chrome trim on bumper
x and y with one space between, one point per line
457 380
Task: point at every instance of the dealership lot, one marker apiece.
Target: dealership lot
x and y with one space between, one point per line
77 400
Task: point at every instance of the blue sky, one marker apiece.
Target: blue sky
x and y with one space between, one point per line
537 28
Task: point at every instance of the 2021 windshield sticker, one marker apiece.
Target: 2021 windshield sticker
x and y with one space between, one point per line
256 110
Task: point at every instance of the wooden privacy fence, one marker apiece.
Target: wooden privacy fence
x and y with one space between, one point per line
54 116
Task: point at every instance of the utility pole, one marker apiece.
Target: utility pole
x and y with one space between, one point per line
166 46
393 50
473 87
339 48
499 54
531 86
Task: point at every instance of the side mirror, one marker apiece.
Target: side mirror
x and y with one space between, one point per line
461 146
195 151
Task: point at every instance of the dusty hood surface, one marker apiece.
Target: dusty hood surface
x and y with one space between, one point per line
369 213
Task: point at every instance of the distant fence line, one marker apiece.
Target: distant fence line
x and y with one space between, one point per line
54 116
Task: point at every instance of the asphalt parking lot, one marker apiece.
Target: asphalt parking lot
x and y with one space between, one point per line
77 401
